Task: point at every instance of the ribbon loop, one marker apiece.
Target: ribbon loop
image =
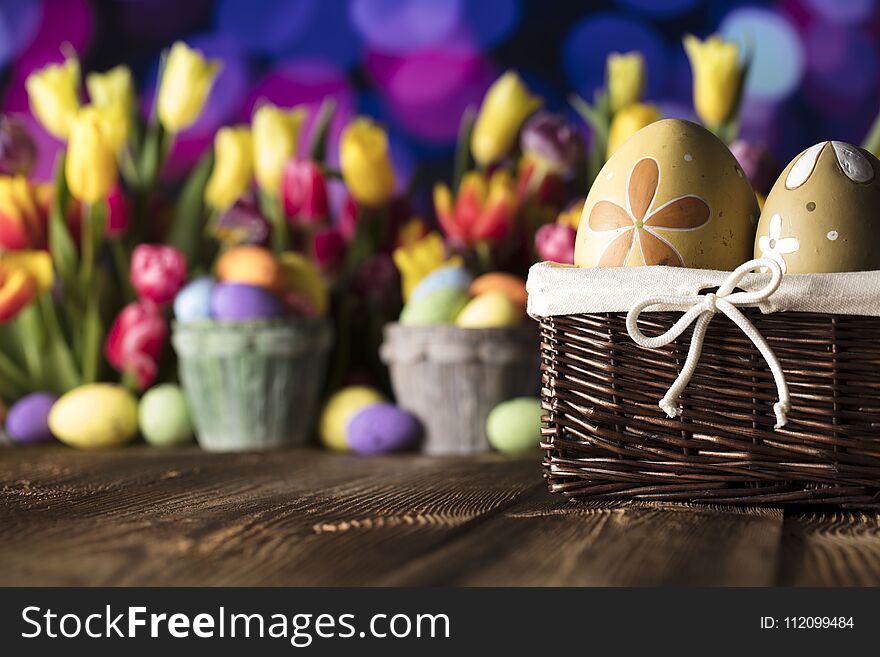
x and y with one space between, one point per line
701 308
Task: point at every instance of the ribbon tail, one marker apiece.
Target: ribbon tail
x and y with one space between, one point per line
669 403
783 406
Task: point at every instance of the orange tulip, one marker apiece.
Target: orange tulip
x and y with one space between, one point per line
23 276
483 210
24 210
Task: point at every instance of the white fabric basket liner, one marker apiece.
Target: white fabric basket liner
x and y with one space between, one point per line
556 289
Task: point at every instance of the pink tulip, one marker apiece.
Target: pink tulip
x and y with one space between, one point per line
328 247
117 216
157 272
136 341
304 193
556 242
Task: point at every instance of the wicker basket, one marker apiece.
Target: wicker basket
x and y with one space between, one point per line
606 437
252 385
451 378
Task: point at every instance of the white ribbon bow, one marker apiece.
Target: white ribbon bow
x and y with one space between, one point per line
702 308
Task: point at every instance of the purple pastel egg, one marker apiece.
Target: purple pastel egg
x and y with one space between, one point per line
382 428
236 302
28 419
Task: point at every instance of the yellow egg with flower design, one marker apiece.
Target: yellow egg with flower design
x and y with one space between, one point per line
673 194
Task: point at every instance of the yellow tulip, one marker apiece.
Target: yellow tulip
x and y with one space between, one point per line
626 79
233 167
276 134
90 167
187 78
506 106
717 75
629 121
53 93
364 160
112 88
417 260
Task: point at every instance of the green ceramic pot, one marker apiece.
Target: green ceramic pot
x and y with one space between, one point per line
252 385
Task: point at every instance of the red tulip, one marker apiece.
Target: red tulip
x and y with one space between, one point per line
136 341
304 192
556 242
157 272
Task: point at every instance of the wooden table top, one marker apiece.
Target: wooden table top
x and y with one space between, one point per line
141 516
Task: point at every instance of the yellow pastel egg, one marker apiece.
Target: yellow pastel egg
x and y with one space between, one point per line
673 194
95 416
508 284
251 265
302 277
490 310
340 409
821 215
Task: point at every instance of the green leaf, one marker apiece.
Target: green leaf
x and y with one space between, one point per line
318 148
16 382
63 374
33 341
189 216
463 160
61 244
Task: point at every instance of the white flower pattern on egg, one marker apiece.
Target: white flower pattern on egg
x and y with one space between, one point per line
774 246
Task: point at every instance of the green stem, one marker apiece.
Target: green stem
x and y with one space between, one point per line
271 207
122 260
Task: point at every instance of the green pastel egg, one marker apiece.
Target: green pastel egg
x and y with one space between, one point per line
515 425
163 416
490 310
95 416
438 307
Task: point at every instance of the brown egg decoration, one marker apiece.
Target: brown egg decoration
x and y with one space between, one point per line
822 214
673 194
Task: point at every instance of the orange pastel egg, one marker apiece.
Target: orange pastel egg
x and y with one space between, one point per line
251 265
508 284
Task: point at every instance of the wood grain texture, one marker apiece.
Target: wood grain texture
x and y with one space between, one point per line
553 542
142 516
836 548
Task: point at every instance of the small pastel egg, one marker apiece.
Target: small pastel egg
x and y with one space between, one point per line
513 286
382 428
440 278
515 425
193 302
340 409
437 307
490 310
94 416
251 265
303 280
163 416
28 419
236 302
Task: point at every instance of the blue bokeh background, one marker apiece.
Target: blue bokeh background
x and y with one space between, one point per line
417 64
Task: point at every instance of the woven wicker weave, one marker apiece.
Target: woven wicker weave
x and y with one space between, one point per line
606 438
